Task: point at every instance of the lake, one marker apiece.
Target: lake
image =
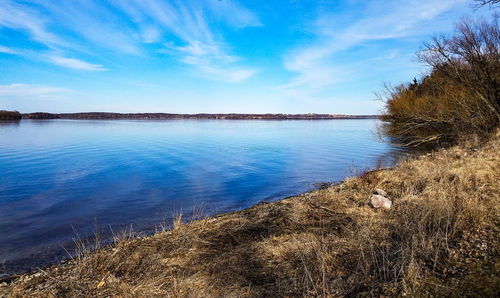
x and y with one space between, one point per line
61 179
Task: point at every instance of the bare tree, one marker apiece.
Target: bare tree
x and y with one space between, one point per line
471 58
460 96
490 3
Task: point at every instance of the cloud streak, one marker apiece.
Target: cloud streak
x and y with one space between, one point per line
185 28
233 13
7 50
19 90
27 19
314 64
196 43
76 64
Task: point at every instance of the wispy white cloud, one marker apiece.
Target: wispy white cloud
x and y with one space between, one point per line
233 13
196 45
212 62
124 26
232 75
72 63
93 22
208 52
76 64
149 34
19 90
22 17
314 63
7 50
317 75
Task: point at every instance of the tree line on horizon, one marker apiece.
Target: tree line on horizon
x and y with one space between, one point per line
10 115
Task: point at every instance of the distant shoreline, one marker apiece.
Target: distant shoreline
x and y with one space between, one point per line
164 116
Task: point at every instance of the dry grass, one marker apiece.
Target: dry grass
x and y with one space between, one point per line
439 238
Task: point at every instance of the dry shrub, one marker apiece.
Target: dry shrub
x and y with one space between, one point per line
461 95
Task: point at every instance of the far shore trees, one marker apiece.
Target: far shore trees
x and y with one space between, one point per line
10 115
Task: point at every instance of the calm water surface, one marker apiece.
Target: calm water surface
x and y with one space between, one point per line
62 177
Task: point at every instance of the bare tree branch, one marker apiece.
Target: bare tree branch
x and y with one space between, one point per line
490 3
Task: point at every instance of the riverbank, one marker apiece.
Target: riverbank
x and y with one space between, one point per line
440 237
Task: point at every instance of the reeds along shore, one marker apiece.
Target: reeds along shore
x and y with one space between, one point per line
439 238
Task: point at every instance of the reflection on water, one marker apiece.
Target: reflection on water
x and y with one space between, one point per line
6 124
58 176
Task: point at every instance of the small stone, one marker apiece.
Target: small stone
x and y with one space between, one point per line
4 284
379 191
379 201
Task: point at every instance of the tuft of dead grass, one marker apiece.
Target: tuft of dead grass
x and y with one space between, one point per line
439 238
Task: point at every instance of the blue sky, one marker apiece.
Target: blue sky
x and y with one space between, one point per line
213 56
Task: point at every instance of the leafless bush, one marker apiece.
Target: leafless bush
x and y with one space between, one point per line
460 96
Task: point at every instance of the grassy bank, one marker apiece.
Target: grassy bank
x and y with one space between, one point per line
439 238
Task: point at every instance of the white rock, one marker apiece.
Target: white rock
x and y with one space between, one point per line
379 201
379 191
